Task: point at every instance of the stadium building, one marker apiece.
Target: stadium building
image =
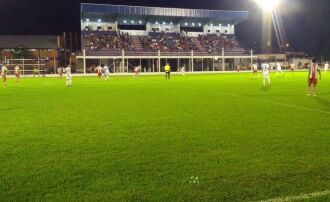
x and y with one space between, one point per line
126 36
29 52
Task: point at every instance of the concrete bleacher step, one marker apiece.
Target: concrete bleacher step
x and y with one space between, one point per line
137 43
198 44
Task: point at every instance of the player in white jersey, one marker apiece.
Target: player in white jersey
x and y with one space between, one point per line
238 68
326 66
17 72
279 71
183 70
4 72
137 70
68 76
60 71
292 67
265 73
106 72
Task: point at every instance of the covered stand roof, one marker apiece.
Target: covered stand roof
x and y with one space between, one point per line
153 13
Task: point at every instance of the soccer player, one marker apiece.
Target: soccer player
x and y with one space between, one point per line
4 72
255 69
137 70
167 69
17 72
326 66
292 67
99 71
279 69
312 77
36 71
183 70
68 76
265 72
60 71
106 72
238 68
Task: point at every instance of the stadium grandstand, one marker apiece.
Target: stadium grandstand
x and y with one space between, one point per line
125 36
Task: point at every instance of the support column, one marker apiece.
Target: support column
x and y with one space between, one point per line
189 63
159 60
84 54
54 65
153 65
141 65
23 66
192 61
251 59
39 65
116 25
223 59
213 64
202 65
122 59
127 65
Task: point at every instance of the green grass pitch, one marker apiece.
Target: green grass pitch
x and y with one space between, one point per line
149 139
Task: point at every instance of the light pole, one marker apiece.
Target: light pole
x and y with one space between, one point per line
268 7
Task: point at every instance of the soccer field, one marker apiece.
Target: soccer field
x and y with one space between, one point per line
213 137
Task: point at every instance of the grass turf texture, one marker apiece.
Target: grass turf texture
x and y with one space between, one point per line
143 139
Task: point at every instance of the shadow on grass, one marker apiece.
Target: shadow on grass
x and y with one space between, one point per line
323 102
10 108
265 89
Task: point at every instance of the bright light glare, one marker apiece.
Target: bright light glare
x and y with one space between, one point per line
268 4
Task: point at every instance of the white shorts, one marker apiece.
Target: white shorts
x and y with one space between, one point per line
266 75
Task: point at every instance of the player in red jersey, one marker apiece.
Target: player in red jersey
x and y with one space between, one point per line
4 72
17 72
312 77
99 70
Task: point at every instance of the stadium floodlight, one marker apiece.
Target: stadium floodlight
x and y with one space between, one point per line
268 5
193 24
125 21
211 24
87 20
171 23
132 21
99 20
140 22
156 23
186 23
200 24
164 23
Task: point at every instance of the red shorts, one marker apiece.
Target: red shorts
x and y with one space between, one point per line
312 81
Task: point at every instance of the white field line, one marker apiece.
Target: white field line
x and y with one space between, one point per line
275 103
300 197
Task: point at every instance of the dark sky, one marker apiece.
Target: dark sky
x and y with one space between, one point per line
307 22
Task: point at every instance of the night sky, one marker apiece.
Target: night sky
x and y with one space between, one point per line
307 22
